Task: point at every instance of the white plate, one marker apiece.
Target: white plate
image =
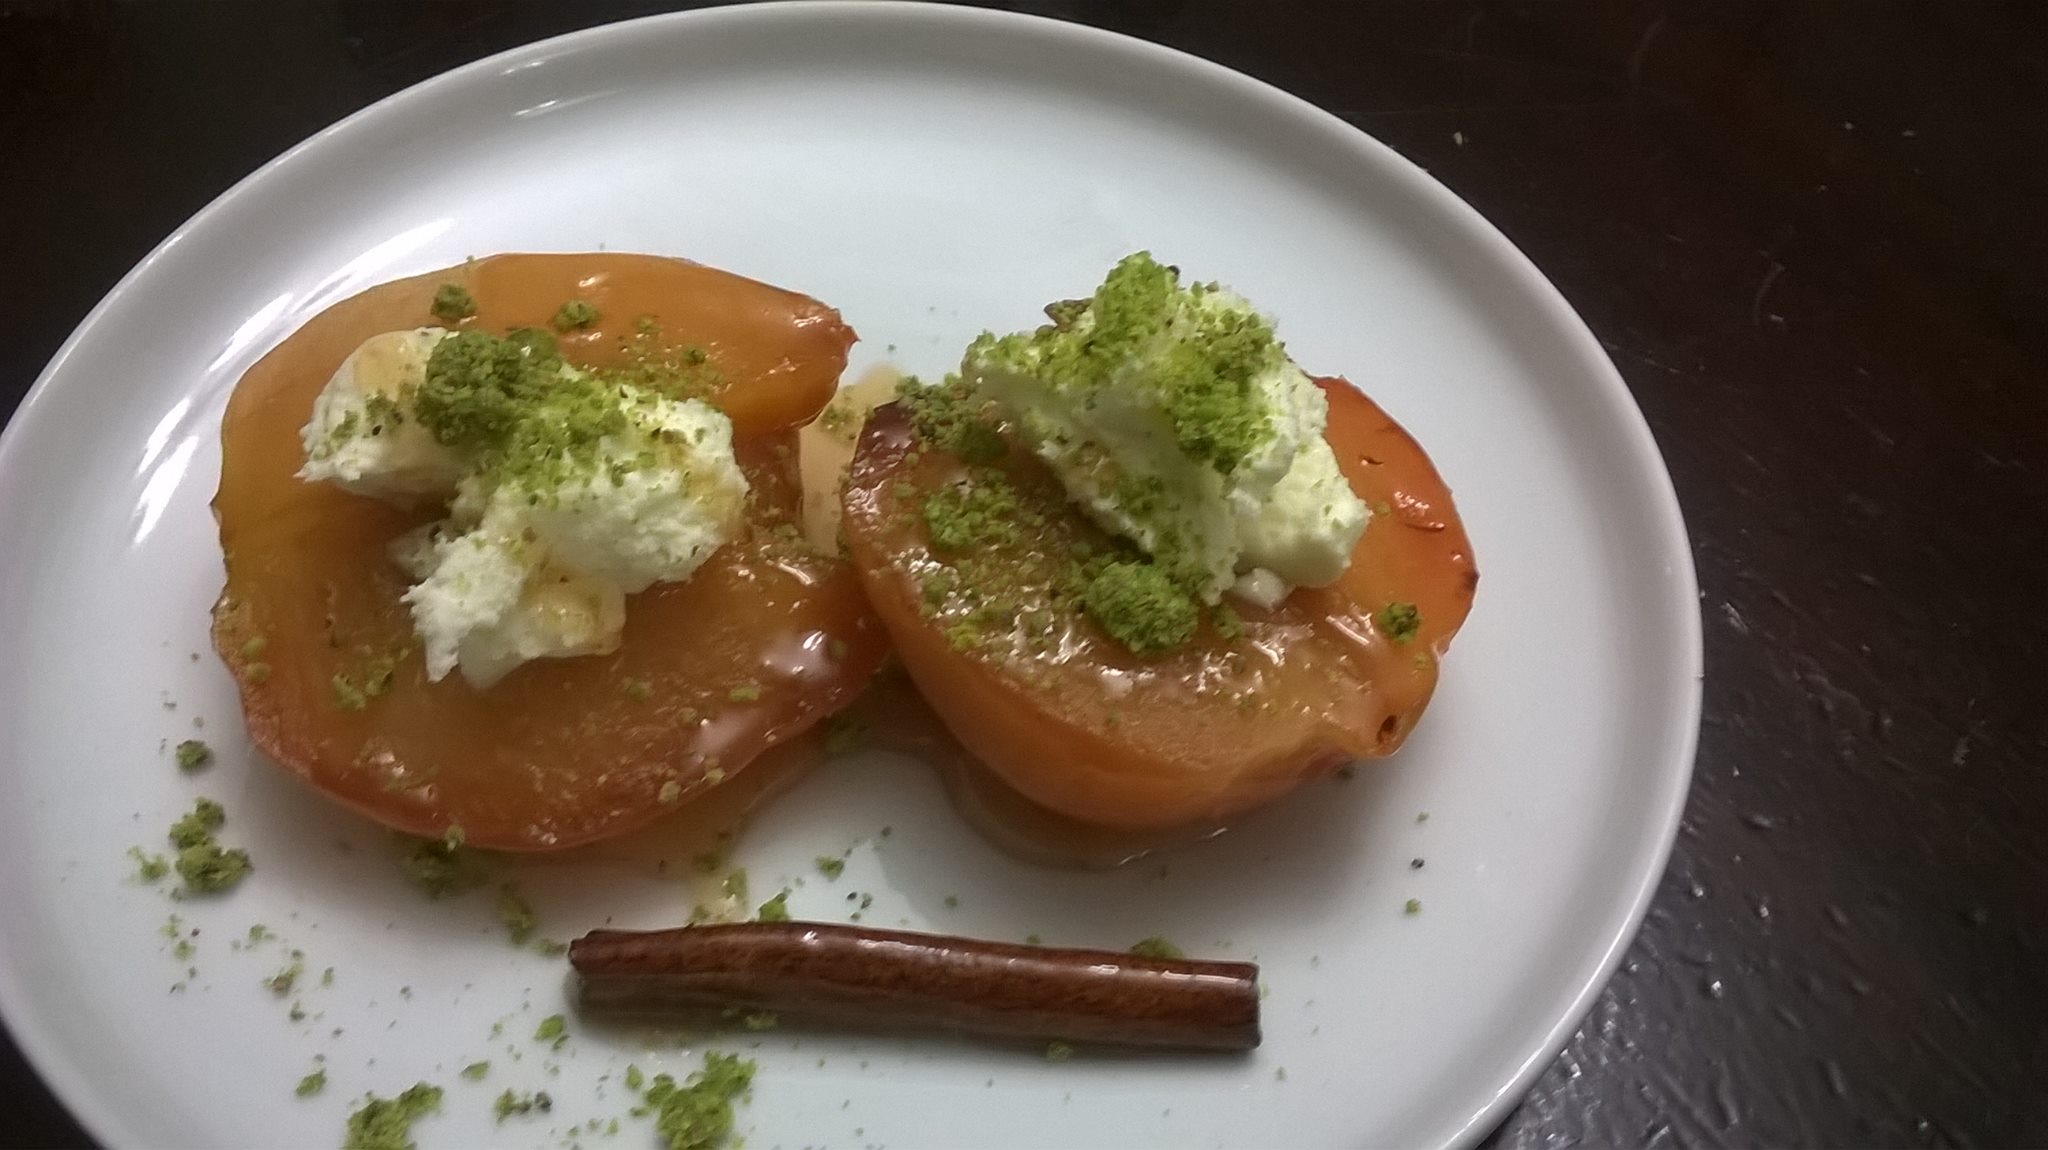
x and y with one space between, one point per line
930 171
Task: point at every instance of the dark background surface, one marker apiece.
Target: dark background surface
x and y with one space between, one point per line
1813 236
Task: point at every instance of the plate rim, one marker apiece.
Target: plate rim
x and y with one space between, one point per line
71 1085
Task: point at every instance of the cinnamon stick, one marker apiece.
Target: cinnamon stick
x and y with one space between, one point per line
860 977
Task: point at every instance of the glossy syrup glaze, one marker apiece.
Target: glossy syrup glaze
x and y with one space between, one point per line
761 643
1080 726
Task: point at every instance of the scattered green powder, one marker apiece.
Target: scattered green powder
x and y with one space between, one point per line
1140 607
831 866
386 1123
845 733
205 865
973 516
775 909
698 1114
148 867
193 754
197 827
950 417
440 867
634 1078
509 1104
281 983
312 1084
517 916
734 885
1157 947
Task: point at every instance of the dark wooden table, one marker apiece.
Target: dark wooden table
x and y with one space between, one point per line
1813 234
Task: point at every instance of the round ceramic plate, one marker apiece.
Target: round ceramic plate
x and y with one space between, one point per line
931 172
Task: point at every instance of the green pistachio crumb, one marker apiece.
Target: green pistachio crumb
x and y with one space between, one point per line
634 1079
193 754
378 675
950 417
697 1115
1031 940
831 866
1140 607
510 1103
553 1027
760 1020
973 516
203 863
575 315
670 792
475 1071
184 951
442 866
1157 947
517 917
198 826
258 673
638 690
1058 1051
550 947
734 885
386 1123
747 692
209 868
952 901
311 1084
845 733
1412 906
348 696
1399 621
281 983
148 867
453 303
775 909
1199 363
254 647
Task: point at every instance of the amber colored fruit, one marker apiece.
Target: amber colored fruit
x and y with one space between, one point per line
766 639
1078 724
